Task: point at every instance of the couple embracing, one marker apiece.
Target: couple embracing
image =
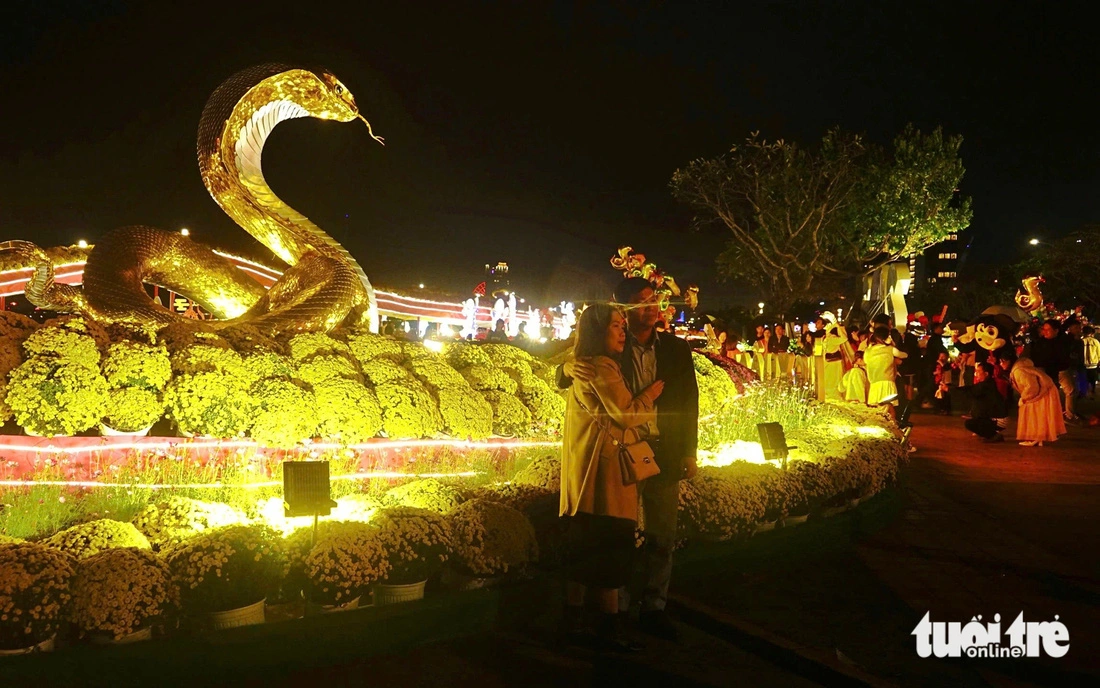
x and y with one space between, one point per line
632 400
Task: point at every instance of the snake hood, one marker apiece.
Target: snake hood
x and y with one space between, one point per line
324 286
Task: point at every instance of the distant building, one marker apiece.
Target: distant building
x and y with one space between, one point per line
940 263
496 278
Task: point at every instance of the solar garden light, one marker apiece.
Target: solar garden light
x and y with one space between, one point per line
774 443
306 491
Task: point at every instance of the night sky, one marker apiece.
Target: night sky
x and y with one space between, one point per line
539 134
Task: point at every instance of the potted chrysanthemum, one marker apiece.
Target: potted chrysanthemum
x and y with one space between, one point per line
34 596
344 565
225 575
118 594
491 540
417 544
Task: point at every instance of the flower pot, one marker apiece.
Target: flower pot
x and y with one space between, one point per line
137 636
44 646
790 521
394 594
765 526
106 431
346 606
284 611
251 615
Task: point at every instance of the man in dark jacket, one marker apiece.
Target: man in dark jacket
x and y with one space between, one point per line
987 404
648 356
1051 351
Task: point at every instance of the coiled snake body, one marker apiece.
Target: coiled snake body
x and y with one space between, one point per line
324 287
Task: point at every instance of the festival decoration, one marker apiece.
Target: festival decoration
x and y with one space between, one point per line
633 264
324 286
1030 299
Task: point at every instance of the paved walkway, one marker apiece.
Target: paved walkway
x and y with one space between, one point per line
973 529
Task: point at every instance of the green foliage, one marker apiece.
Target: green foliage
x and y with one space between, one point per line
176 518
228 568
418 543
34 593
806 220
424 493
346 411
203 358
489 378
131 409
260 365
908 201
1062 263
466 354
366 346
56 396
132 364
466 414
285 413
84 540
491 538
716 389
63 343
510 416
307 345
327 366
720 508
542 472
210 403
382 371
437 374
16 326
547 406
408 410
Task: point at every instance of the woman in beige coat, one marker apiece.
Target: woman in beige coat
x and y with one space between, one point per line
1040 417
602 512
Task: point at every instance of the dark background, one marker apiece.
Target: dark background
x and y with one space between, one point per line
541 134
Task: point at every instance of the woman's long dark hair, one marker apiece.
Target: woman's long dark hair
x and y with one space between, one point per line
592 330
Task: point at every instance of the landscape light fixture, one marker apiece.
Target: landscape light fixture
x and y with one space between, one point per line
82 244
185 232
1034 242
421 285
774 443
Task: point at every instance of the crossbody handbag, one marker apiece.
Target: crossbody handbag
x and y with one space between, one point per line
637 461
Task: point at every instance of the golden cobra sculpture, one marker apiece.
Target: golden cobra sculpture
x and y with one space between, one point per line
324 287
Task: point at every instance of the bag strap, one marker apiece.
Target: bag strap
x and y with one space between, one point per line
603 424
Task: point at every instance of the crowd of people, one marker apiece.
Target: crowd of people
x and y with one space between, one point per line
632 397
1044 368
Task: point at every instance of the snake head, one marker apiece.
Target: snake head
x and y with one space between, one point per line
328 98
331 99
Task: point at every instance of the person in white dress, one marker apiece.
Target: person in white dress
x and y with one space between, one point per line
881 358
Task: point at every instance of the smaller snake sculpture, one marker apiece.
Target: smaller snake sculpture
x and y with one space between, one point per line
1030 302
323 288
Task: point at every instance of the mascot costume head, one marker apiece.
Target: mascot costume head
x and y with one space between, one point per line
990 332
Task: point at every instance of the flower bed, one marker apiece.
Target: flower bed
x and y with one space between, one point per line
231 546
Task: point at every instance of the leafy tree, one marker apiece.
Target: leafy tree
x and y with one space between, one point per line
807 222
1069 266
